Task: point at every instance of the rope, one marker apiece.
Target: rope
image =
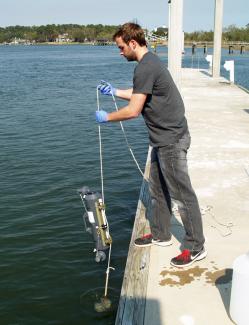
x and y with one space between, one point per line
85 212
100 154
228 226
102 192
108 270
127 142
102 177
207 211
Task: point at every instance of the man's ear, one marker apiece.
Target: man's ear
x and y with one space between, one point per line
133 44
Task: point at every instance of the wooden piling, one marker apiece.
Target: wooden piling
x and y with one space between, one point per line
205 49
193 48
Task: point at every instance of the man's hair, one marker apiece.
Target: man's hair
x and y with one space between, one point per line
131 31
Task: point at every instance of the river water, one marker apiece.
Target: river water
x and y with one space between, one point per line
49 149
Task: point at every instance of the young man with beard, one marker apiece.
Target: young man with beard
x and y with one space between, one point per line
156 97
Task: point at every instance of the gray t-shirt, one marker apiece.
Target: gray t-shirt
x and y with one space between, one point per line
163 111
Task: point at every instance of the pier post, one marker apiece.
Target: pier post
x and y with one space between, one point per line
217 37
175 40
205 48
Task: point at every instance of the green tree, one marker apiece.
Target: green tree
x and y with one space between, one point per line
161 31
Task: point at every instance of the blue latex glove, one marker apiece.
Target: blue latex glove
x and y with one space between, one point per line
101 116
106 88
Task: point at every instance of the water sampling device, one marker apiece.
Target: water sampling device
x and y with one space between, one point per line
95 219
95 222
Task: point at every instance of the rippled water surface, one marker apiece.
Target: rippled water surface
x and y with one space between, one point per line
49 148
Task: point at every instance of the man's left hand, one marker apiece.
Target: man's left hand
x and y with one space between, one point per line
106 88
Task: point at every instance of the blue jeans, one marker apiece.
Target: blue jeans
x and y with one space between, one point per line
169 179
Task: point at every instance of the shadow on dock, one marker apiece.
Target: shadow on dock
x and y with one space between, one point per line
224 285
206 73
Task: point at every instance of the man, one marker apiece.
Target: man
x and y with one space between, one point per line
156 97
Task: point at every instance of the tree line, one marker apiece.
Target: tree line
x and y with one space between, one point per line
231 33
90 33
49 33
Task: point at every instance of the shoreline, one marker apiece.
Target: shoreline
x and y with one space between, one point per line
187 45
58 43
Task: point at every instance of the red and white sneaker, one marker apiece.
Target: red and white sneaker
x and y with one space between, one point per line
187 257
148 240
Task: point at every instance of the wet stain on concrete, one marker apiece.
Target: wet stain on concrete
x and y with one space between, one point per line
219 277
174 277
179 278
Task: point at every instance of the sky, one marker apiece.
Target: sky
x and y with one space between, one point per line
198 14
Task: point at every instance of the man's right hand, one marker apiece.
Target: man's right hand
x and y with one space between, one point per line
106 88
101 116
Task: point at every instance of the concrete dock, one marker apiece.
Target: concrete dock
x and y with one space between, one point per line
154 292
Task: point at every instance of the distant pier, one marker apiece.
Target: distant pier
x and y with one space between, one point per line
230 46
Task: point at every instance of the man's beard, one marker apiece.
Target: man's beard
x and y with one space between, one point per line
130 59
